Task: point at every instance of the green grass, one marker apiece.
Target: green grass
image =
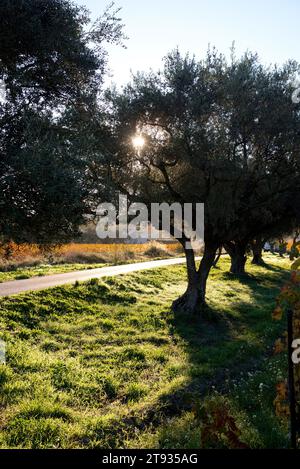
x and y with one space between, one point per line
106 364
20 273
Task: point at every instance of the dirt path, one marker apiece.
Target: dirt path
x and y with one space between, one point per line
14 287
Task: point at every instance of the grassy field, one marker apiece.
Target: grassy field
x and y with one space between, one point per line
20 273
105 364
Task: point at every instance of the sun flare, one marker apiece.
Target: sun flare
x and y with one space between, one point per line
138 141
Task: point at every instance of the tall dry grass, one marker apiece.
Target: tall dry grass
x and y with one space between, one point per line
15 256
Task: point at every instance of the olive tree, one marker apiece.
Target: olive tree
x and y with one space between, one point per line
221 133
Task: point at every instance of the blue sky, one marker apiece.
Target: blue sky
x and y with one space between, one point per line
154 27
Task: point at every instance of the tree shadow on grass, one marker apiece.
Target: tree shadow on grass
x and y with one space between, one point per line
271 267
220 345
214 349
272 276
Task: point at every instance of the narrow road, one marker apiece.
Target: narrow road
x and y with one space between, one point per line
14 287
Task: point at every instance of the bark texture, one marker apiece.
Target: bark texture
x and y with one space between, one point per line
237 252
257 249
193 300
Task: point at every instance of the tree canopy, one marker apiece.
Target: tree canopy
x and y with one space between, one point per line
226 134
53 61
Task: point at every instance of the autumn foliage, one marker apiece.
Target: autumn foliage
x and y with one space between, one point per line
288 299
218 425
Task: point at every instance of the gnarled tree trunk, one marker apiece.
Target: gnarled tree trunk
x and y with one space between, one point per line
237 252
193 299
257 248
